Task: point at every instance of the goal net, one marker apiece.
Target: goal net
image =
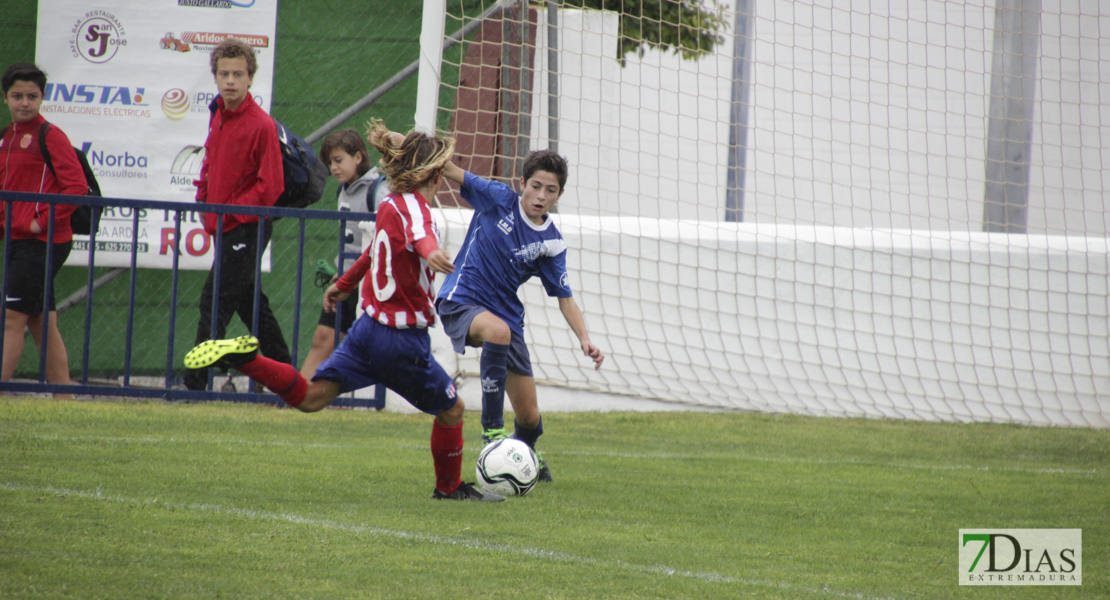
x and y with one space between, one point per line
856 209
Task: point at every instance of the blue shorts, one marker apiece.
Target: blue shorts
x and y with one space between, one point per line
456 319
399 359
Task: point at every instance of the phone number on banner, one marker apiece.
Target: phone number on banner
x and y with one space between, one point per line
110 246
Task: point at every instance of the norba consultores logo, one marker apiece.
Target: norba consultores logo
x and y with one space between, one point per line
97 36
1021 557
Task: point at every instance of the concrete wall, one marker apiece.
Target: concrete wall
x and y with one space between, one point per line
826 321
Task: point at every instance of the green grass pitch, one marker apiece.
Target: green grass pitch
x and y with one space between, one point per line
124 499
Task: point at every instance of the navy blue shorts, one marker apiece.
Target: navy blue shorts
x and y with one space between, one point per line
456 319
399 359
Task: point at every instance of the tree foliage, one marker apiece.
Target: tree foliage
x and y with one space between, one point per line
691 28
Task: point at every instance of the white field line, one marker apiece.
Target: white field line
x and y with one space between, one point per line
633 455
464 542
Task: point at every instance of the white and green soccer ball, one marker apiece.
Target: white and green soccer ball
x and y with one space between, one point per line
507 467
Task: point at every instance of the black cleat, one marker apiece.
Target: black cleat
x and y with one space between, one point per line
545 471
467 491
225 354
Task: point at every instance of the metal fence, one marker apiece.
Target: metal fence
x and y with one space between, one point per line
110 359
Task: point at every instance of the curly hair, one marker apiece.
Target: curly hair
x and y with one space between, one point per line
414 162
234 48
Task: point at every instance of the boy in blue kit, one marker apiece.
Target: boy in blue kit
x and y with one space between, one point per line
511 238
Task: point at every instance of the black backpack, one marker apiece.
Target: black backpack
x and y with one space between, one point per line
85 218
305 176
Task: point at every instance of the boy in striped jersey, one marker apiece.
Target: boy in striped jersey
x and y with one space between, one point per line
511 238
389 344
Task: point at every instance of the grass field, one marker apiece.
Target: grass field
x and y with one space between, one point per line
121 499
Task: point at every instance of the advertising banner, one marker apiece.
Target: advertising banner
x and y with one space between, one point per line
130 83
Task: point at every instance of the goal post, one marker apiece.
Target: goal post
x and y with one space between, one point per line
790 206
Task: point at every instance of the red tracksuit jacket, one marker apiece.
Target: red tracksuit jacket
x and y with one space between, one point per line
242 163
22 169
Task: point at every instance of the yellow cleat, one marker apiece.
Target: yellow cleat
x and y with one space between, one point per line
225 354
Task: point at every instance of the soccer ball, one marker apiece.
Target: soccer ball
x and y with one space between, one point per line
507 467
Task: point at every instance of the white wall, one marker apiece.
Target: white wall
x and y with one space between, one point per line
828 321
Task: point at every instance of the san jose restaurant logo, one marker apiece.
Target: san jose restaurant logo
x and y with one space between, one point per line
97 36
1021 557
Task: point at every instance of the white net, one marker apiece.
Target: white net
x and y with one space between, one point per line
828 208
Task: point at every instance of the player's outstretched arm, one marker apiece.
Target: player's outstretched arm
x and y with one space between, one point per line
374 136
577 323
342 288
454 172
438 258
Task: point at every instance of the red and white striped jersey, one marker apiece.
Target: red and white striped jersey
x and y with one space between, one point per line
397 291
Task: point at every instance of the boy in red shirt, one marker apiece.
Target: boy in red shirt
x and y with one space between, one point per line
23 169
242 165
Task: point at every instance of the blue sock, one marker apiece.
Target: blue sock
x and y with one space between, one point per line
528 436
494 370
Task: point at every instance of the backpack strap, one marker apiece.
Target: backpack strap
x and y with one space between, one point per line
371 192
43 150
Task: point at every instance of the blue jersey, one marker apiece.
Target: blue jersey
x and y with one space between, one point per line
503 249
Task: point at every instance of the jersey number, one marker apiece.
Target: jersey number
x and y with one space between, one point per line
383 267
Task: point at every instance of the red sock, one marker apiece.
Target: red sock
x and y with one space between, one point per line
447 455
278 377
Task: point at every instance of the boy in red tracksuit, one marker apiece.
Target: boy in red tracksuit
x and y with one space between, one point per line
23 169
242 165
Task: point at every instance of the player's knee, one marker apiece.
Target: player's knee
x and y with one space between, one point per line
500 334
309 406
16 323
323 338
489 328
453 416
316 399
528 421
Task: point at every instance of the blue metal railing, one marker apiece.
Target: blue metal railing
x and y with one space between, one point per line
169 391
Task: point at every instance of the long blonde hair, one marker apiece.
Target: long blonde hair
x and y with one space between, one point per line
420 158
